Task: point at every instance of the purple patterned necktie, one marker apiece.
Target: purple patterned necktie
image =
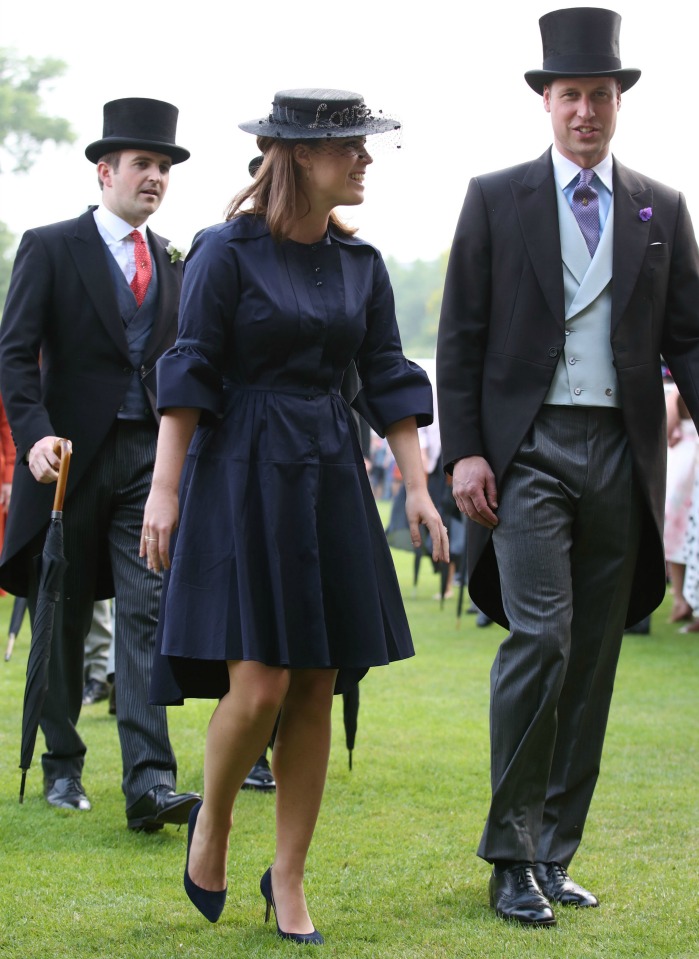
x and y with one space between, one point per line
585 206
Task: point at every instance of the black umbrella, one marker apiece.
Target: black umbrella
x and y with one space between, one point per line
463 571
350 711
52 565
443 583
416 565
19 608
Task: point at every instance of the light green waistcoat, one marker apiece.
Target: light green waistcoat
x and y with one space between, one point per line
585 374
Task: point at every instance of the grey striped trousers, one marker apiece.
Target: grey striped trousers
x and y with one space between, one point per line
567 547
102 522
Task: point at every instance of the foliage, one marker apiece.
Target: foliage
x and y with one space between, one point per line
417 288
392 871
24 127
7 246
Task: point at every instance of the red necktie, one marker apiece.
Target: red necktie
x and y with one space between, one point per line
144 269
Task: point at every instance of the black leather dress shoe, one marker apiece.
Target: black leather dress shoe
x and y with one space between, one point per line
66 793
95 691
515 894
557 886
260 777
160 805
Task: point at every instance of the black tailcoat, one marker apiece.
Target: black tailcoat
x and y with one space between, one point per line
502 331
62 310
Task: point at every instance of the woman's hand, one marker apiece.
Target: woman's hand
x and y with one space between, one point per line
160 518
419 508
162 512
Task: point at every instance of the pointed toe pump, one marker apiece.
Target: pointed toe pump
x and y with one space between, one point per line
210 904
306 938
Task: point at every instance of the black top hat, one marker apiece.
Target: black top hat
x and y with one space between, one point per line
318 114
137 123
580 42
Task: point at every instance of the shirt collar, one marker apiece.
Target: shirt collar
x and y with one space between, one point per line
565 170
112 224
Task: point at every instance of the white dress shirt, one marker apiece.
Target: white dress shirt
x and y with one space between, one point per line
115 233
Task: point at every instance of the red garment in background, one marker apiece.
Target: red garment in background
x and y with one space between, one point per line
7 468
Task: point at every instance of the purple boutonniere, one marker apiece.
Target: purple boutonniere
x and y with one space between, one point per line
646 213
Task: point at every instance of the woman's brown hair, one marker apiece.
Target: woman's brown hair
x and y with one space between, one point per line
276 191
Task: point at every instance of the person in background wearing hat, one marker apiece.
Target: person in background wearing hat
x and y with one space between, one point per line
96 299
568 277
281 589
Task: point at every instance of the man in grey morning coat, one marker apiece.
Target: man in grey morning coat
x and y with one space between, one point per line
568 278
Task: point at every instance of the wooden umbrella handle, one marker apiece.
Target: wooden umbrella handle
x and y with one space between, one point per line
63 448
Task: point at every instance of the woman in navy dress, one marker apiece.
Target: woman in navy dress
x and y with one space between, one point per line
280 589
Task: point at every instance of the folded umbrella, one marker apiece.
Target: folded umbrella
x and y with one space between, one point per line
52 566
463 572
350 711
19 608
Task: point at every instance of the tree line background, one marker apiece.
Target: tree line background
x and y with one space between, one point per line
25 127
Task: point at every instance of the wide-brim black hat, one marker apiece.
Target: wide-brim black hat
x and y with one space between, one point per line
580 42
319 114
138 123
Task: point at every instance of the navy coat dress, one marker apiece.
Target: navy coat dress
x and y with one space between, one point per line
280 556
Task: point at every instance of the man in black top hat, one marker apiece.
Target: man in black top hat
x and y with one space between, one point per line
92 304
568 277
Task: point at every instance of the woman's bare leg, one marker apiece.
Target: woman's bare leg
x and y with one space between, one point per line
299 763
681 609
238 732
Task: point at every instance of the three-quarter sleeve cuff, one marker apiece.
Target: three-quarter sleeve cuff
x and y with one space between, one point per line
399 389
187 379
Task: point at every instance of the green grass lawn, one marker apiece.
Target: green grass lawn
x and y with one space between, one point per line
393 870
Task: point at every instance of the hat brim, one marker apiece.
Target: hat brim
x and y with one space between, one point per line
287 131
95 151
538 79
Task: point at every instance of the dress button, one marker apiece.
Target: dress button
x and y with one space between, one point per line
567 332
319 283
314 248
608 392
572 361
553 351
317 270
577 391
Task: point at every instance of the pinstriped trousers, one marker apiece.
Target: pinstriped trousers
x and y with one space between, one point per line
567 546
105 512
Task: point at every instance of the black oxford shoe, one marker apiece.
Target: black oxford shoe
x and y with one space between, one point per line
66 793
95 691
160 805
260 777
515 894
557 886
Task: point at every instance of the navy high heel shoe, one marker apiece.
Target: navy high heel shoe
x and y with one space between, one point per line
308 938
210 904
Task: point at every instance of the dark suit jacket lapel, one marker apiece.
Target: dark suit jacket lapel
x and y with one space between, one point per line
631 235
168 293
89 255
536 204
